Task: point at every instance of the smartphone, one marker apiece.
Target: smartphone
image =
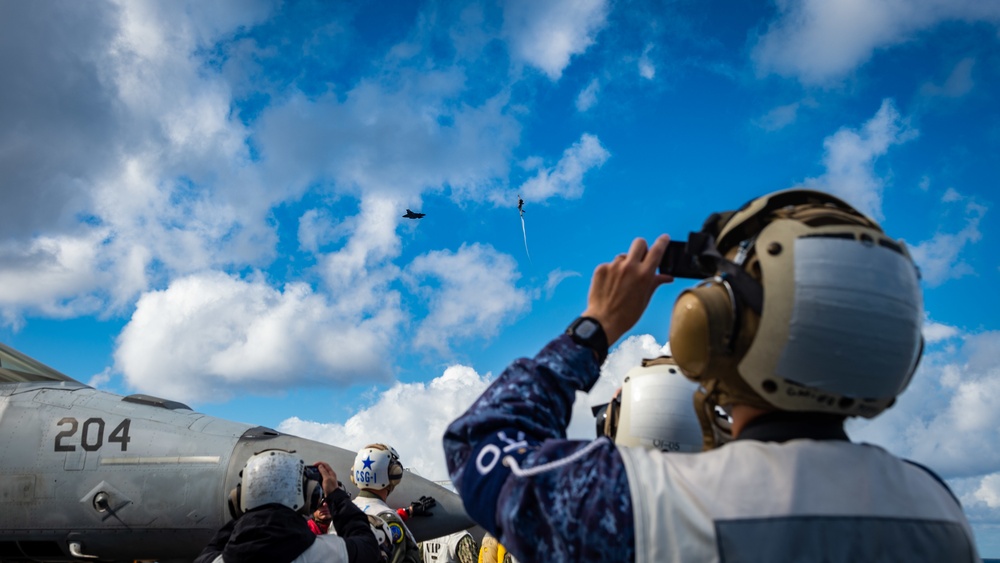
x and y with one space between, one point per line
312 473
677 262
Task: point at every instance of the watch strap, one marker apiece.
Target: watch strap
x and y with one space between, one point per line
588 332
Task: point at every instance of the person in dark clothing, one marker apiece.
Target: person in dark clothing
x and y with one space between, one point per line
274 498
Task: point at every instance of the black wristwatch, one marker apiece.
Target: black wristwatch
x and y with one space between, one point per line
586 331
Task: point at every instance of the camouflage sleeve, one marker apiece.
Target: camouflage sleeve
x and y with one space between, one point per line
405 548
577 509
465 549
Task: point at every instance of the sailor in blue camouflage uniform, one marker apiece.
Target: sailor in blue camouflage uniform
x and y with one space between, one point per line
782 482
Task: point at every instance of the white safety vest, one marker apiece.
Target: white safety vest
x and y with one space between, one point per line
372 505
445 548
802 500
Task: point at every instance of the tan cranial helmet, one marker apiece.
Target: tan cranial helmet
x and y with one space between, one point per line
811 308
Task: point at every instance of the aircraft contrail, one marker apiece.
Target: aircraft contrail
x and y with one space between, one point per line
525 238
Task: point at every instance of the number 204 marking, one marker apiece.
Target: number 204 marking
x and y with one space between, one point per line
91 434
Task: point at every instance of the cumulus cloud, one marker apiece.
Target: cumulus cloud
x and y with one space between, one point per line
939 258
56 99
54 276
210 335
948 418
565 179
819 42
850 156
390 419
936 332
546 35
123 73
318 228
475 294
396 139
989 491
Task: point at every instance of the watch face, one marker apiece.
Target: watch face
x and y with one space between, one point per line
586 328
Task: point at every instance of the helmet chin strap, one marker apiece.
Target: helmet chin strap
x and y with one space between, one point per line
716 431
712 435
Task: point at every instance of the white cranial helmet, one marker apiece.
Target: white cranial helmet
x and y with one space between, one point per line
274 477
656 411
377 467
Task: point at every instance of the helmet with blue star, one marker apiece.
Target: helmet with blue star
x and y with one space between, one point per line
377 467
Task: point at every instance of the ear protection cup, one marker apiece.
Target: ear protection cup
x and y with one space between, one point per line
395 472
614 412
234 502
376 467
703 329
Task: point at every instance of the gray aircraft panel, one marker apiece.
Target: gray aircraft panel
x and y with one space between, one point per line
138 478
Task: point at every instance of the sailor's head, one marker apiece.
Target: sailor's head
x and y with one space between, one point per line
808 306
279 477
652 409
376 468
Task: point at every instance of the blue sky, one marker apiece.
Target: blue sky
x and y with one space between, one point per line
203 201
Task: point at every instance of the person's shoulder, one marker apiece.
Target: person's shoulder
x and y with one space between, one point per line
395 524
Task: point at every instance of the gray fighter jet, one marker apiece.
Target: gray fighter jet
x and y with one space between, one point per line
414 215
89 475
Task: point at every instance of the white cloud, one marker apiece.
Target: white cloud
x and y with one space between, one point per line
318 227
850 159
402 418
958 83
143 137
56 276
565 179
397 139
949 417
951 195
936 332
989 491
646 68
209 336
939 258
779 117
555 278
818 41
587 97
474 294
547 34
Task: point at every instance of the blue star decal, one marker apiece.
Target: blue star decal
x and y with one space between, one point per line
367 462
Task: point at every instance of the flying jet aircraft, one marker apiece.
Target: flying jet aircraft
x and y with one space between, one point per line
89 475
414 215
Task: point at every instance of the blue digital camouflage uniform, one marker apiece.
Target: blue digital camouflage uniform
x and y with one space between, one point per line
580 510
